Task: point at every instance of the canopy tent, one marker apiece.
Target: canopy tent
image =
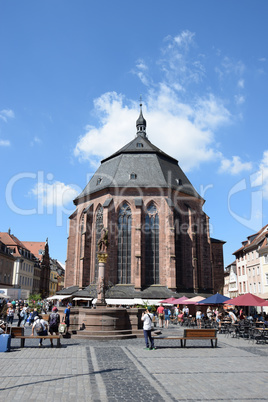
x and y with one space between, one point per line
247 299
58 297
180 300
214 299
193 300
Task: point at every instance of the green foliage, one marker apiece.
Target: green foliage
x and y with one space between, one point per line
146 304
34 301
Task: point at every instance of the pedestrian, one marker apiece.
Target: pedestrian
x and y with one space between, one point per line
67 316
147 319
24 315
54 320
20 314
10 314
198 318
185 311
160 312
40 326
167 314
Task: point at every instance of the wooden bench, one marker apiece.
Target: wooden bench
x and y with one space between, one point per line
188 333
18 332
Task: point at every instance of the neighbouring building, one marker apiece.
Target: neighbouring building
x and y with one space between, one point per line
6 265
56 277
251 264
230 279
159 236
24 263
41 252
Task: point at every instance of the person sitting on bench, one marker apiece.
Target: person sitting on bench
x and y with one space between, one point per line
40 326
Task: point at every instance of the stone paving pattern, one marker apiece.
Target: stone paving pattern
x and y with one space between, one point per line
123 371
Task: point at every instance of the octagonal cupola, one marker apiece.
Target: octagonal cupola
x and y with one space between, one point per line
141 124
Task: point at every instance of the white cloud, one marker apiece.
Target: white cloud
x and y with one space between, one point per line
262 175
241 83
6 114
234 166
56 194
141 72
185 39
239 99
190 122
189 130
4 143
36 140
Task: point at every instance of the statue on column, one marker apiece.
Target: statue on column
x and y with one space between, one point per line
103 241
102 258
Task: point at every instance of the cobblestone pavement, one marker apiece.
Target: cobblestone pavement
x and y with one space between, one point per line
124 371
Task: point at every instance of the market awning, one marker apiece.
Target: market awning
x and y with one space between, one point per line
58 297
128 302
83 298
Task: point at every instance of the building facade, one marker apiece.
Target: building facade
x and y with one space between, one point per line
158 233
24 263
252 264
41 252
6 265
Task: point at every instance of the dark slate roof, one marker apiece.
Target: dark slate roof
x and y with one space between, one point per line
129 292
153 169
217 240
68 291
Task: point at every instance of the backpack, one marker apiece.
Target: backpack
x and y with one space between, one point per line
53 320
22 313
39 326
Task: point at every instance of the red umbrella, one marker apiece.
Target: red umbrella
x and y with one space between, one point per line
170 300
265 303
247 299
180 300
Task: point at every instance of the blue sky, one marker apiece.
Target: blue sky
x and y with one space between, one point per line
71 75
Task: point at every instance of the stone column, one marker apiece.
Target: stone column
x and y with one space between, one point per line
102 258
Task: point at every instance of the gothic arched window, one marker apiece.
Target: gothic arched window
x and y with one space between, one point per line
98 227
124 245
151 246
82 230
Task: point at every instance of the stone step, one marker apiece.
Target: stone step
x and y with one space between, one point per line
102 336
105 333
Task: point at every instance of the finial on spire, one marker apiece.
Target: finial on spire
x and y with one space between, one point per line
141 122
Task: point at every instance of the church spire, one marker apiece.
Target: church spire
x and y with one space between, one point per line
141 123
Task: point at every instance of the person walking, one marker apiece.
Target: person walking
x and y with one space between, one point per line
10 314
147 319
160 312
67 312
167 314
198 318
24 315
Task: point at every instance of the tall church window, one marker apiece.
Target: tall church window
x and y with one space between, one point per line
124 245
98 227
152 246
82 229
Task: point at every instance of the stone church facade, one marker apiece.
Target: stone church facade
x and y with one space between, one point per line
158 233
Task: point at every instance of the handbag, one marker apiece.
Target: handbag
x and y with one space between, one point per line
62 328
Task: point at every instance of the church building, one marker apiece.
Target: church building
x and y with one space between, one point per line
159 240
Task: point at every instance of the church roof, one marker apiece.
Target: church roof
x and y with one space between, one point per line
139 164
